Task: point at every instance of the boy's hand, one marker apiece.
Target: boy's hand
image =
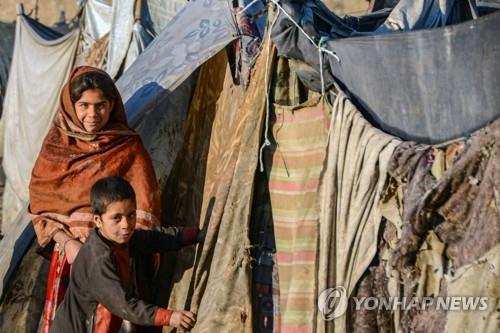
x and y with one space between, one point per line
202 233
184 320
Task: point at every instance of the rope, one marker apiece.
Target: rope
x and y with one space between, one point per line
321 50
247 7
305 33
266 79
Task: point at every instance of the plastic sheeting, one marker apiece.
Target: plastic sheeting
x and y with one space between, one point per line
97 17
433 82
423 14
200 30
141 38
155 90
30 102
122 25
156 14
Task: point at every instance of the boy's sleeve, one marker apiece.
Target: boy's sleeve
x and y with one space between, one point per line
108 291
162 239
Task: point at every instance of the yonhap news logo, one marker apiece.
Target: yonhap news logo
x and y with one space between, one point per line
333 302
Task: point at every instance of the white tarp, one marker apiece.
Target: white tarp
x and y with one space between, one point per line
140 40
97 19
122 24
41 63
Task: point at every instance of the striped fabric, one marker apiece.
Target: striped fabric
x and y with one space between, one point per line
299 142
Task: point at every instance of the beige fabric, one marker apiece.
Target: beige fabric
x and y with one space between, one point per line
350 189
481 278
218 288
23 302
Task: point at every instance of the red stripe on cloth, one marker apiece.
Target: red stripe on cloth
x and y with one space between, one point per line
290 186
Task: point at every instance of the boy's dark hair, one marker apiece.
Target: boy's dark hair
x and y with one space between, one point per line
92 80
107 190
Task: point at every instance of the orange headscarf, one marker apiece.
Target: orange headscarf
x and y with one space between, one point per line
72 160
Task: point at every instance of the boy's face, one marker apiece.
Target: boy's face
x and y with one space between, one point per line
117 224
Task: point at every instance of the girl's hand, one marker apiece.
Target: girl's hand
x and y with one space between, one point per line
70 246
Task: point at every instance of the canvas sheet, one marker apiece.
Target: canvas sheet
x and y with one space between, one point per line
30 103
222 267
350 189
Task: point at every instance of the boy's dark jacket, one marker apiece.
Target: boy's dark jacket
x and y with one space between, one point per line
95 279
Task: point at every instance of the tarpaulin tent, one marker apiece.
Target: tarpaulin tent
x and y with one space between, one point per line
434 81
155 101
333 179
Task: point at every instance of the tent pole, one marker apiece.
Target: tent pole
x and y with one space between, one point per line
20 9
137 10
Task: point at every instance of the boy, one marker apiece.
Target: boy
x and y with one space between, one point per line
101 272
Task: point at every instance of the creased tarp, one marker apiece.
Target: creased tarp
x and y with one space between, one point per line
439 225
30 104
156 14
158 86
219 287
200 30
299 136
437 76
122 24
424 14
350 188
182 195
140 40
438 88
97 18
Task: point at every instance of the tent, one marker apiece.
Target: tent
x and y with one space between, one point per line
339 201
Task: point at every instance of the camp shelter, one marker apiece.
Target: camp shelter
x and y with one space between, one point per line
301 191
443 77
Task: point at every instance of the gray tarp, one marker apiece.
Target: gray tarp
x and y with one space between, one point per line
442 84
426 85
156 81
6 47
120 36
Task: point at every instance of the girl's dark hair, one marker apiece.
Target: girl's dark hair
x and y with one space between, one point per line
92 80
107 190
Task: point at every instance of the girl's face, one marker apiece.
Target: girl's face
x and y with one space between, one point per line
93 110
